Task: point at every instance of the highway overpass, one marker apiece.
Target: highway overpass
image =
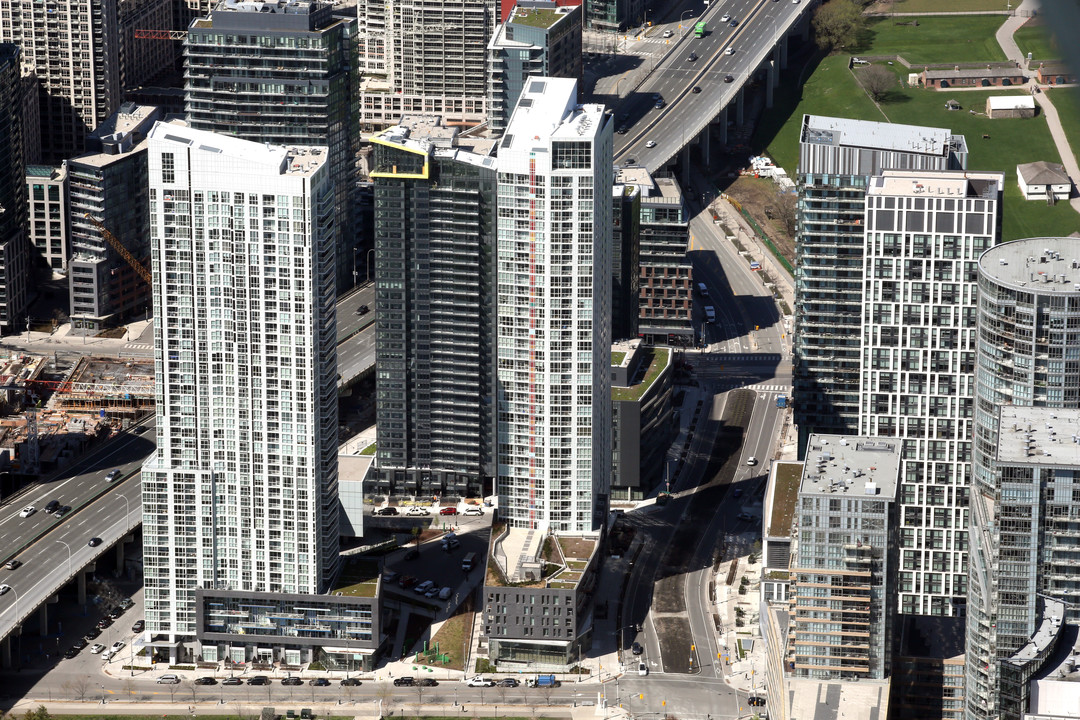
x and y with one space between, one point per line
757 42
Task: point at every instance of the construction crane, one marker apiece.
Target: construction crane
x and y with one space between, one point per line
111 239
145 34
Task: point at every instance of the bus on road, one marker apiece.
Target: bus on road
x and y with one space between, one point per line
699 29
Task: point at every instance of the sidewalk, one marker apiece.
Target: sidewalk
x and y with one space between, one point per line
137 343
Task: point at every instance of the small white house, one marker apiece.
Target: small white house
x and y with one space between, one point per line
1041 180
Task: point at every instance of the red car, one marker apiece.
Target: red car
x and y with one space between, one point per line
407 581
448 511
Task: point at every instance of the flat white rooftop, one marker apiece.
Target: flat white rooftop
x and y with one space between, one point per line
837 700
846 132
1038 435
850 465
1043 265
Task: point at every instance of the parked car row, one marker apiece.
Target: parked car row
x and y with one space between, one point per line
419 510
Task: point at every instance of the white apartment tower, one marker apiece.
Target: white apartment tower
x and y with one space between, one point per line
554 311
424 57
925 231
241 493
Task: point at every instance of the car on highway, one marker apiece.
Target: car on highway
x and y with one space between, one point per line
745 516
319 682
404 681
429 682
659 104
350 682
473 510
642 669
696 89
97 649
113 474
258 680
637 649
448 511
52 506
12 564
480 681
725 18
363 310
692 58
232 681
730 51
169 679
668 33
61 512
630 161
387 511
733 23
94 542
650 144
729 78
508 682
751 461
417 510
206 680
622 129
27 511
138 626
292 681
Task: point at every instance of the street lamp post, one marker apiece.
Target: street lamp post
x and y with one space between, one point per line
69 555
127 505
681 17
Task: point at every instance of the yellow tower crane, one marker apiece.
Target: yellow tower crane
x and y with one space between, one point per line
111 239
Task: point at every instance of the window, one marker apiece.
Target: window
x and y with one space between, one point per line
168 168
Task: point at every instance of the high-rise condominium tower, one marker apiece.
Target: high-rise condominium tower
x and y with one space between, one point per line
435 310
73 46
241 494
14 244
554 324
837 157
1023 505
925 232
281 72
424 56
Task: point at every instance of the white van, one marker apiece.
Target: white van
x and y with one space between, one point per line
710 314
703 289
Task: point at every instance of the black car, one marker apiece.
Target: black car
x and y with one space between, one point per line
733 23
94 542
637 649
232 681
404 682
116 612
290 681
94 632
630 161
386 511
755 701
80 643
622 129
104 622
53 506
363 310
205 681
428 682
350 682
61 512
508 682
319 682
258 680
71 652
138 626
729 78
696 90
692 58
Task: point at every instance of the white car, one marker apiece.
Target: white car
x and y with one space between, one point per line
751 461
107 655
113 474
417 510
118 646
730 51
480 681
642 669
423 587
473 510
725 18
4 588
445 593
650 144
668 33
27 511
97 649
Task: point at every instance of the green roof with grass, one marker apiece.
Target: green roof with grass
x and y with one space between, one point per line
359 578
659 359
536 17
785 497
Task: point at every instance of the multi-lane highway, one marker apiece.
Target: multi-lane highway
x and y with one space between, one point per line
655 135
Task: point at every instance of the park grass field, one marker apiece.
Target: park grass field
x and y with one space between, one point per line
1034 38
956 6
965 38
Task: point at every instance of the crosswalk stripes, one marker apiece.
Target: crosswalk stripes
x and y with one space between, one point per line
139 346
746 357
779 389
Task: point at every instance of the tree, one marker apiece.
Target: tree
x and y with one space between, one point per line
40 714
786 211
837 24
877 81
384 691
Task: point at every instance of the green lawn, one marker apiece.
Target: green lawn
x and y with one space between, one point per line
935 40
832 90
916 6
1036 40
1067 103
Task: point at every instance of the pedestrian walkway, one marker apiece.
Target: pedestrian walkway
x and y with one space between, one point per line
1005 39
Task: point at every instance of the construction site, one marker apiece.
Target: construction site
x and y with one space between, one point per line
49 415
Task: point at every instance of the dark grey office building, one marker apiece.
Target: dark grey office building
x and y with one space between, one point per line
14 245
435 243
642 427
281 72
837 156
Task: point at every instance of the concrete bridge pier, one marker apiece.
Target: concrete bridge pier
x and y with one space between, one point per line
5 652
771 81
80 581
43 619
686 166
739 106
782 47
703 140
723 126
120 556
